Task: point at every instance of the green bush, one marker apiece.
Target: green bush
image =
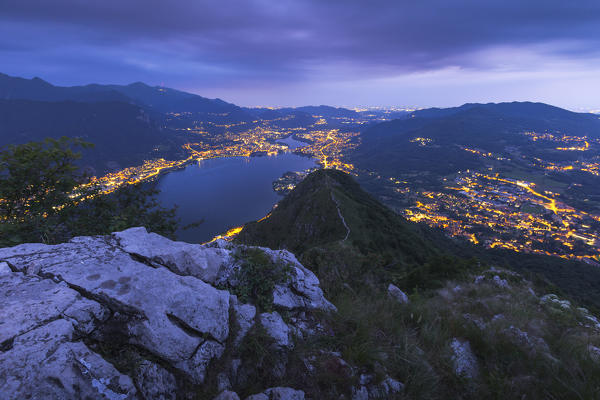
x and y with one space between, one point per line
257 276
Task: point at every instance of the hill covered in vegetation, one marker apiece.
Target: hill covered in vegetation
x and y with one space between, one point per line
473 323
329 220
123 134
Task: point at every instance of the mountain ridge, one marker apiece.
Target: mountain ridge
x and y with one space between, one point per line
155 97
123 133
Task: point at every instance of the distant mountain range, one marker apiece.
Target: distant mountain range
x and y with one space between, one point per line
394 147
155 98
130 123
127 123
123 134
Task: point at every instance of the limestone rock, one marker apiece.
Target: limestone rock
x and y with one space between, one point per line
303 290
40 320
382 390
285 298
196 367
594 353
360 393
553 299
276 328
529 342
391 386
397 294
181 258
284 393
223 382
155 382
244 315
140 293
465 362
45 363
259 396
5 269
502 283
478 322
227 395
169 315
29 302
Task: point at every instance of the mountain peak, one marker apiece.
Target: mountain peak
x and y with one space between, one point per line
138 84
329 207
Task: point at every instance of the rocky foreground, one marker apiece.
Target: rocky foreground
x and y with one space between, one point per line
134 315
163 311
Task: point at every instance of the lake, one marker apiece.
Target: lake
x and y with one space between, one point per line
225 192
292 143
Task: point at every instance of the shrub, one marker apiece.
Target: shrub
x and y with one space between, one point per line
257 276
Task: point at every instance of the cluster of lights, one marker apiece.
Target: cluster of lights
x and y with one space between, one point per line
487 207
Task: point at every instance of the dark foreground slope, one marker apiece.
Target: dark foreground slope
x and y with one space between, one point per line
468 330
381 246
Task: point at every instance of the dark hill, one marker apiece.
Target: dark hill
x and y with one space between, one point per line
123 134
515 109
40 90
384 247
348 238
537 116
329 207
170 100
390 148
326 111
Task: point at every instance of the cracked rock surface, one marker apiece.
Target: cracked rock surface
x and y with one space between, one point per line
59 304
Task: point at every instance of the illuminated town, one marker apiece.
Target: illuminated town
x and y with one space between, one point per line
485 207
498 211
262 138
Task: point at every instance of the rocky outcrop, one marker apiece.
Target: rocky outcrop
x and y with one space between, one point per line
301 292
278 393
465 362
369 390
526 341
181 258
227 395
40 354
155 382
594 353
395 293
63 305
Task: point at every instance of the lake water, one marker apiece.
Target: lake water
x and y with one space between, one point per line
225 192
292 143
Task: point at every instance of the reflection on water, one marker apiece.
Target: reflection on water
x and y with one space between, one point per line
292 143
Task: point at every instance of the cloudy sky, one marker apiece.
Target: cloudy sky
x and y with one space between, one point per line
297 52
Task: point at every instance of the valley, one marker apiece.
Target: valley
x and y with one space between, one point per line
525 196
517 176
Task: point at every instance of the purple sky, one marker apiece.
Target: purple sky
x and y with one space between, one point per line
297 52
